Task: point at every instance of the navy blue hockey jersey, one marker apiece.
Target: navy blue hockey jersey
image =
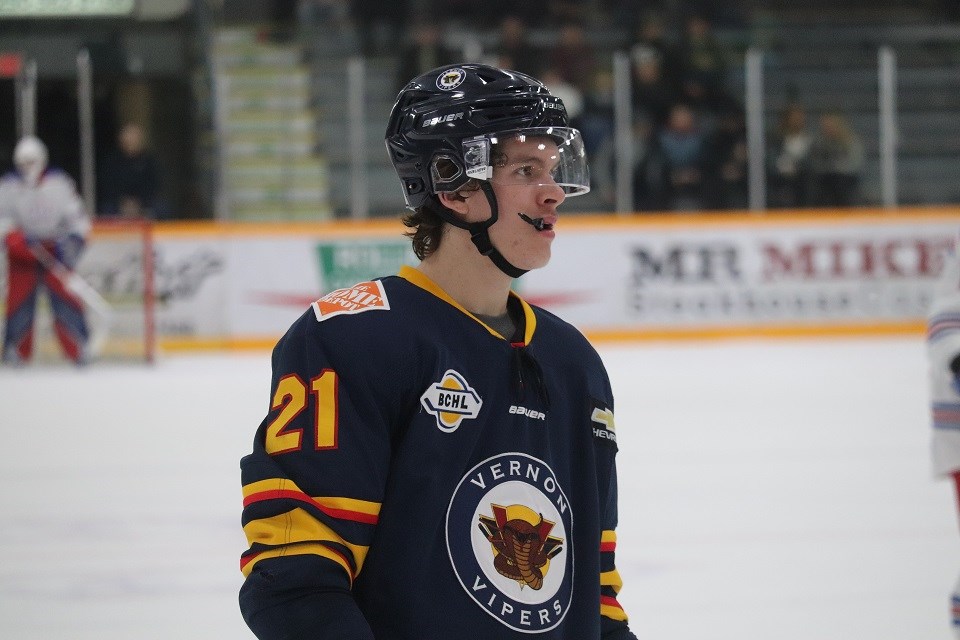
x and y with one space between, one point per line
452 482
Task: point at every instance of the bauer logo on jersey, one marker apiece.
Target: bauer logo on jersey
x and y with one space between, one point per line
364 296
451 79
452 401
508 529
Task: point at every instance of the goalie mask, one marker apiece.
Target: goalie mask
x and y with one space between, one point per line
445 128
30 158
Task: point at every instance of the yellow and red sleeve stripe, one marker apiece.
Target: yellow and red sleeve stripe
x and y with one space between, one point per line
297 532
341 508
610 581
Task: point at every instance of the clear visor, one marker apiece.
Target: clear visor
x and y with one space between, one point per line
539 156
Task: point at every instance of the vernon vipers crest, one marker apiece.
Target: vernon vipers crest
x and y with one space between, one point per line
508 536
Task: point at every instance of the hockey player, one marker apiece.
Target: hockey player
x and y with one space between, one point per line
48 229
943 351
438 457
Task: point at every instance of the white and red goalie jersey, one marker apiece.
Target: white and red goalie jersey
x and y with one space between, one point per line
943 354
51 209
943 351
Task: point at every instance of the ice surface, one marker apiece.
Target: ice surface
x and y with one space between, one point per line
767 490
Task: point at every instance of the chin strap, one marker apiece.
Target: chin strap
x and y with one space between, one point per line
480 232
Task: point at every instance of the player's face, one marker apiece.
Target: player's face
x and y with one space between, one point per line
523 183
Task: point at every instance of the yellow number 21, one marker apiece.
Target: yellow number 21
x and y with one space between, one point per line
291 399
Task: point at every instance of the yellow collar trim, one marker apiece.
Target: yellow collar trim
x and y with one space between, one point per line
418 278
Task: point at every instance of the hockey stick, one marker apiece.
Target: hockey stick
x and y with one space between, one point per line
81 288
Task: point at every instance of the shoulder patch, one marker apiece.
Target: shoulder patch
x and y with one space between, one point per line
364 296
602 418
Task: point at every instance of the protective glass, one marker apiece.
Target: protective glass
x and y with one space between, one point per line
538 156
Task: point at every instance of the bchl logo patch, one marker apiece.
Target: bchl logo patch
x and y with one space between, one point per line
508 528
451 79
365 296
452 401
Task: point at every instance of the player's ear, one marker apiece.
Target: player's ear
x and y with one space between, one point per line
455 201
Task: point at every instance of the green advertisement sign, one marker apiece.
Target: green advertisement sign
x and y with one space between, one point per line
345 263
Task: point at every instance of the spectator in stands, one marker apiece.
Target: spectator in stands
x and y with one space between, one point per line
573 56
644 169
650 39
513 49
681 163
596 120
129 180
653 93
571 95
426 50
789 158
729 147
703 67
836 157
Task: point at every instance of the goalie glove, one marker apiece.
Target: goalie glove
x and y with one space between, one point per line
67 250
18 247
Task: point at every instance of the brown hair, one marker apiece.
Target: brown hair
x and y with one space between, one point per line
427 222
427 229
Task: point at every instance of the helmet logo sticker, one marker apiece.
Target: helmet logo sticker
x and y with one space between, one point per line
451 79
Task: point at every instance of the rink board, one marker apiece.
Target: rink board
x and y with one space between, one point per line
636 277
